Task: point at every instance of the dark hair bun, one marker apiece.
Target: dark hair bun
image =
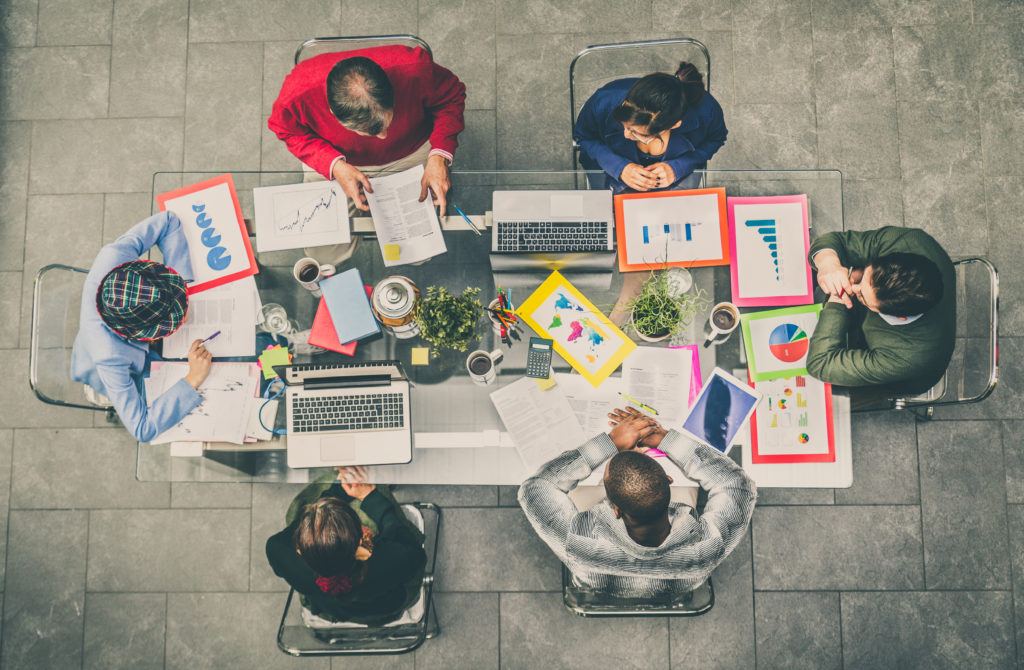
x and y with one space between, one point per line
693 82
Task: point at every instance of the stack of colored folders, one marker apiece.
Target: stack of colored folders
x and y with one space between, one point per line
343 316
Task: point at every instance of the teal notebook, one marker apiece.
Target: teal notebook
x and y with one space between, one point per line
348 306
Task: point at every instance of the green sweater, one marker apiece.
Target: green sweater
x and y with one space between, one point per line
857 348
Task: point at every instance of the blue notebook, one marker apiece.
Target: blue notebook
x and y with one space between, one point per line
348 306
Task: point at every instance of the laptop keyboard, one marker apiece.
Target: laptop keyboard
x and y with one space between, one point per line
563 236
313 414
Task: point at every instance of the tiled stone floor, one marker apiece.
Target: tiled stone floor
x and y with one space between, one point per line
918 102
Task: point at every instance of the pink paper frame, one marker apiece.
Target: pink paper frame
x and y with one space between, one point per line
777 301
696 380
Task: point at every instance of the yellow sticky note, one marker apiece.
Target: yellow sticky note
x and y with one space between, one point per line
271 357
420 356
544 384
392 252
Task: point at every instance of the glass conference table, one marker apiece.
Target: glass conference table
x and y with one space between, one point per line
459 437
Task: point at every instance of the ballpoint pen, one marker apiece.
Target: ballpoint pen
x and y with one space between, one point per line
466 218
210 337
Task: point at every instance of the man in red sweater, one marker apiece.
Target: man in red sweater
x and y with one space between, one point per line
376 108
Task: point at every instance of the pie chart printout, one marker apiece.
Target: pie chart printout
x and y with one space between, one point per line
788 343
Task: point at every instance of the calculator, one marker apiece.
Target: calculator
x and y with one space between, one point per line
538 358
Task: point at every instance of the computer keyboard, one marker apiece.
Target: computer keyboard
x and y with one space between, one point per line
557 236
313 414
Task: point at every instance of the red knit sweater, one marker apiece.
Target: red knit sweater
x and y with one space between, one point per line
429 101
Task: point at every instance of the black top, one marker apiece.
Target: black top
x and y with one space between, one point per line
394 568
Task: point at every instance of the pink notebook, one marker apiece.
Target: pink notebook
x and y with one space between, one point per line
323 333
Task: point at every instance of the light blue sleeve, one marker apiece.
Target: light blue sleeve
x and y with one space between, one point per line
161 230
129 400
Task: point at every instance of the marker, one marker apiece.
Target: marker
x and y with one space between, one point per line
466 218
210 337
629 398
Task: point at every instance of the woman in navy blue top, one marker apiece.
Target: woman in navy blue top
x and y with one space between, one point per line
650 133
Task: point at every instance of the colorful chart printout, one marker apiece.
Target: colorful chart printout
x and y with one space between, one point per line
769 240
777 341
671 229
793 422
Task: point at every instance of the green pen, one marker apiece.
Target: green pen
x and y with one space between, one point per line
629 398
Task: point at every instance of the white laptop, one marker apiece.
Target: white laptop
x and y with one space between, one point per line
347 414
533 221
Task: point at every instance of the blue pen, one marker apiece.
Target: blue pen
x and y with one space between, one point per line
210 337
467 219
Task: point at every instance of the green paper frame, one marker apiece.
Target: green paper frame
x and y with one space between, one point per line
745 320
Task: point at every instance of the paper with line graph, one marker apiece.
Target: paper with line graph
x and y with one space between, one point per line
294 216
769 240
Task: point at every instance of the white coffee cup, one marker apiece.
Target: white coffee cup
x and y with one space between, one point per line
482 366
724 319
308 272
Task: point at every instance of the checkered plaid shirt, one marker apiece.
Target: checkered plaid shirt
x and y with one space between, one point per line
595 545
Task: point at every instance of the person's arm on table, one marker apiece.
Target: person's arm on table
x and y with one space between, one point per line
445 102
830 360
145 423
589 134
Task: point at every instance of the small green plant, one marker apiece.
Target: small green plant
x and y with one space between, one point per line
448 321
659 311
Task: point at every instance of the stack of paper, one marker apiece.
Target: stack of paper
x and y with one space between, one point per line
232 309
349 306
228 395
323 334
661 379
542 423
408 230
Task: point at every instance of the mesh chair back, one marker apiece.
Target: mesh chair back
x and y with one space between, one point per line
600 64
56 301
322 45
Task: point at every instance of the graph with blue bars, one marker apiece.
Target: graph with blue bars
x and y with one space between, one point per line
676 232
766 229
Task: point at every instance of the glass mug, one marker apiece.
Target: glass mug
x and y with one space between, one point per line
482 366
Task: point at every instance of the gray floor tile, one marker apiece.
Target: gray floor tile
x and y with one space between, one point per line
77 22
884 461
531 102
1005 196
18 23
148 35
24 410
14 145
248 21
44 597
998 11
269 504
883 13
872 203
772 136
963 505
1002 138
469 633
54 83
278 61
388 17
403 662
798 630
274 154
534 17
843 126
707 15
1013 460
927 630
10 309
125 630
999 60
724 637
168 550
466 47
477 149
104 471
121 211
508 496
1016 523
941 203
781 496
228 631
852 64
449 496
798 548
1007 401
106 156
772 44
537 631
493 549
211 494
937 137
220 77
6 447
49 238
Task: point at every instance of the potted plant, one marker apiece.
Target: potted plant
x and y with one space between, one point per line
660 310
448 321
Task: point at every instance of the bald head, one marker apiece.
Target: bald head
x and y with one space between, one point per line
360 95
638 486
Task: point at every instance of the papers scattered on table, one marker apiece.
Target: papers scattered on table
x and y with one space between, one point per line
542 423
228 393
408 230
294 216
662 379
255 431
793 422
591 405
231 309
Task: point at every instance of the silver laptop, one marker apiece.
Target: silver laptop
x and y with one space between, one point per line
347 414
552 222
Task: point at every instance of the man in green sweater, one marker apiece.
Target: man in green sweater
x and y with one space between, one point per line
889 325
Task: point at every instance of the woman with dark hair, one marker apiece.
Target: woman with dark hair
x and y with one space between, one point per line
349 551
650 133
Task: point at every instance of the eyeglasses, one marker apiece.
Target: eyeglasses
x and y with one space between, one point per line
638 137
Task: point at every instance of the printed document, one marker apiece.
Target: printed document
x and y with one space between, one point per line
542 423
224 413
591 405
659 378
408 230
231 309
